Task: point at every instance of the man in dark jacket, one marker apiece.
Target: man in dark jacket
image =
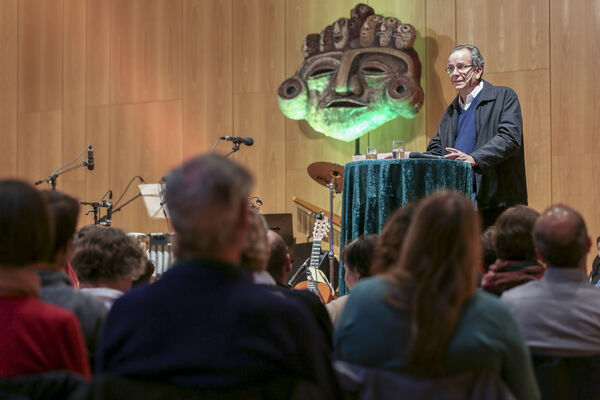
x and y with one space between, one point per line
483 126
204 323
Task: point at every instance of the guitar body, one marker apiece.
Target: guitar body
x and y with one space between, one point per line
323 288
316 280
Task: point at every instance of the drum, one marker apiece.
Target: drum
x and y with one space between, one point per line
141 238
160 252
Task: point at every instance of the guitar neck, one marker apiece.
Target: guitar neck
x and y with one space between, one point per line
315 254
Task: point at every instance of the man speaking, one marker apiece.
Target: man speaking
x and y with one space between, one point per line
483 126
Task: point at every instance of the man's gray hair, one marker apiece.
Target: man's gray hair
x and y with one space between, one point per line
476 57
206 196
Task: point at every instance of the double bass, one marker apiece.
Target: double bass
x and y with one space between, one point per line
316 280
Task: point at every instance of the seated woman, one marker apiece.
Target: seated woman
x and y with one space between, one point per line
35 336
425 315
516 261
356 256
107 262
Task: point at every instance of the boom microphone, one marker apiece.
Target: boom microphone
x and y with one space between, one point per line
90 158
248 141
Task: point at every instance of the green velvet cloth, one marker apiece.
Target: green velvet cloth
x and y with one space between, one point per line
373 189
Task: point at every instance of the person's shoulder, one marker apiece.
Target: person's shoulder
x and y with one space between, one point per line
487 304
498 90
372 283
517 293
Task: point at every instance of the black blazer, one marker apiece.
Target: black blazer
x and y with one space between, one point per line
500 170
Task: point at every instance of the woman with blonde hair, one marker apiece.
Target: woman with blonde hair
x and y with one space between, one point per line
425 315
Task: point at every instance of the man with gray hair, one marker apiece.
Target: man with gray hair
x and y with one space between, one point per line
560 313
483 127
204 323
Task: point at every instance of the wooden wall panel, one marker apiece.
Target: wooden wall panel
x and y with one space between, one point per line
533 90
8 86
258 45
440 38
73 118
511 34
207 74
40 55
145 140
145 50
258 116
97 89
575 58
39 145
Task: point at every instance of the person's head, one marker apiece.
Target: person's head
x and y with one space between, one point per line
207 198
436 274
279 265
357 256
513 234
65 212
255 252
465 67
26 229
146 275
560 237
391 238
488 247
107 257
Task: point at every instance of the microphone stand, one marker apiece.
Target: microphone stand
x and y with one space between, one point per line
51 179
236 147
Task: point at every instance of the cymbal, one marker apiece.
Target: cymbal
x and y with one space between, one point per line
325 173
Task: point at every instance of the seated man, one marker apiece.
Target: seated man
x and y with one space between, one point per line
107 261
560 313
204 323
57 287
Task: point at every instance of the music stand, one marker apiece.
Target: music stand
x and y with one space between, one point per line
153 195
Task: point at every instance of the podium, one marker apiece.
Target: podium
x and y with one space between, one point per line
373 189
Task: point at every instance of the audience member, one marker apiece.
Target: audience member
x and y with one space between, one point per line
35 336
595 273
107 261
279 264
516 263
279 267
488 248
356 257
560 313
255 252
391 238
146 275
425 315
56 285
204 323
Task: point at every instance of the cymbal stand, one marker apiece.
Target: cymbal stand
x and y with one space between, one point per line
331 253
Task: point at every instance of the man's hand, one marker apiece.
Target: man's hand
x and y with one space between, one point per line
460 156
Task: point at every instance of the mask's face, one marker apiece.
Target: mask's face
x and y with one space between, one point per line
350 93
358 74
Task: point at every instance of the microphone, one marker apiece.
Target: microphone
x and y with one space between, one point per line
248 141
416 154
472 74
90 158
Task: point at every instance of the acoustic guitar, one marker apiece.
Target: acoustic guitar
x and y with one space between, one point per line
319 283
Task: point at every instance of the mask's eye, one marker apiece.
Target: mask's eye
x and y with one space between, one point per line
321 71
373 70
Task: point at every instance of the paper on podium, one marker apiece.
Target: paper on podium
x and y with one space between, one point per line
153 196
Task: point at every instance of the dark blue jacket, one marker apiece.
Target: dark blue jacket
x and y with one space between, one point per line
500 170
206 324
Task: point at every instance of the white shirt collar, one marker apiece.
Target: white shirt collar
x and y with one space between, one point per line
470 96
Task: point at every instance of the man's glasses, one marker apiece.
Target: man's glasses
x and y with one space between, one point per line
460 68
